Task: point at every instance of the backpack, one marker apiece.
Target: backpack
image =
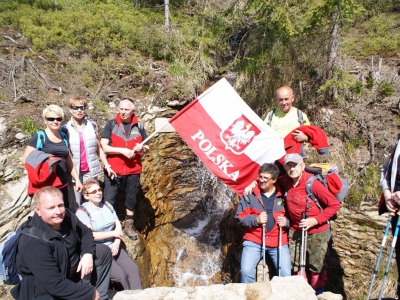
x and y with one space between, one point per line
328 175
106 204
300 118
42 138
8 251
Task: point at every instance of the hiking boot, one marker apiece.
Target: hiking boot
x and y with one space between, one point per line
130 230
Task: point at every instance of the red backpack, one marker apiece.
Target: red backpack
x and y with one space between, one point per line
328 175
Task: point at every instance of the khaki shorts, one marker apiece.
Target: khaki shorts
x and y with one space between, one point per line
317 251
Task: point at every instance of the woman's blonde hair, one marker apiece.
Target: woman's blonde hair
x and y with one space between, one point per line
76 101
53 108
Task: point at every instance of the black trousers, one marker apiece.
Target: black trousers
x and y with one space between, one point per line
100 277
132 184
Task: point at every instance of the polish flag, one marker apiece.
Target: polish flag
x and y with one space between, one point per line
227 136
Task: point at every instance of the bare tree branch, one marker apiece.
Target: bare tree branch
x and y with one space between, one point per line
41 76
6 37
100 86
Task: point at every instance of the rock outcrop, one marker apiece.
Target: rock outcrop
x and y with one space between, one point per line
280 288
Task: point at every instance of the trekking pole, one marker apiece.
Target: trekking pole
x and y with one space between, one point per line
378 261
263 250
396 232
280 251
303 247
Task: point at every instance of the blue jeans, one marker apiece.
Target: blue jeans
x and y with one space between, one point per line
251 255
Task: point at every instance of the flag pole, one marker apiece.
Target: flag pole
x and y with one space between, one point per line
154 133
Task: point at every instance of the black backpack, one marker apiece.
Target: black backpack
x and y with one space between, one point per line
8 251
300 118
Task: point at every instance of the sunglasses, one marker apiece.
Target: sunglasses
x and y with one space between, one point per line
76 107
59 119
99 190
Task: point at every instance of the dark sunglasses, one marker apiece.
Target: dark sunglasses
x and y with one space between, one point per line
59 119
75 107
99 190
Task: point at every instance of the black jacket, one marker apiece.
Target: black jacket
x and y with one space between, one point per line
44 265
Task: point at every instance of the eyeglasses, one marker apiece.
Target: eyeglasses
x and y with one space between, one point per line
50 119
76 107
99 190
266 179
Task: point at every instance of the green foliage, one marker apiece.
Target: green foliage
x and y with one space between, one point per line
377 35
27 125
106 27
100 105
385 89
366 187
353 144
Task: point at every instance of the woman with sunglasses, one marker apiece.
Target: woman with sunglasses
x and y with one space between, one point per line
85 148
53 142
101 218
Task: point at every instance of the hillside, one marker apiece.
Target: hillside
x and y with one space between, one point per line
51 50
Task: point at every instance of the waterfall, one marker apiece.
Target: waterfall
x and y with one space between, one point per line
199 256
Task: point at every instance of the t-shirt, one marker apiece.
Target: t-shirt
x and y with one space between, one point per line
72 243
84 167
284 123
269 205
101 219
59 150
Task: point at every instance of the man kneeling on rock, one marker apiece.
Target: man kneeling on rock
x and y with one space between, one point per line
263 210
60 265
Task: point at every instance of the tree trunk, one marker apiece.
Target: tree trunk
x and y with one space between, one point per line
166 2
333 48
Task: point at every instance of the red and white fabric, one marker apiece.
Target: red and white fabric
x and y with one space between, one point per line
228 137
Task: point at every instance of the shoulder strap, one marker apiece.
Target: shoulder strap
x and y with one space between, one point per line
40 140
246 198
141 128
309 191
109 206
64 137
35 233
112 124
270 116
82 208
300 117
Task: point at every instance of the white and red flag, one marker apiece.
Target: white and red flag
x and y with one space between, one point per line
228 137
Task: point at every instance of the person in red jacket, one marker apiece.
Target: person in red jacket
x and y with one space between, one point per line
121 141
263 207
316 224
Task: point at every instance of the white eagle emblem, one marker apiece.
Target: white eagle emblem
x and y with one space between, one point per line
239 135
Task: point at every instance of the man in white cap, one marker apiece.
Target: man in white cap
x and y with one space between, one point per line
315 223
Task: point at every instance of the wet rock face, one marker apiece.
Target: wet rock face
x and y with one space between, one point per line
185 216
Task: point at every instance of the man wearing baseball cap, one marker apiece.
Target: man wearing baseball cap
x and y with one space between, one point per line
315 223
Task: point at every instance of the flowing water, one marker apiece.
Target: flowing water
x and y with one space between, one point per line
199 256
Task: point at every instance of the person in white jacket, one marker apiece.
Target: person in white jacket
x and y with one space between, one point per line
85 148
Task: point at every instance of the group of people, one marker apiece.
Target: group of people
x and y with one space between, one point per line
276 203
82 252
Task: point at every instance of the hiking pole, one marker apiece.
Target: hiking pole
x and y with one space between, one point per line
396 232
263 250
378 261
280 251
303 247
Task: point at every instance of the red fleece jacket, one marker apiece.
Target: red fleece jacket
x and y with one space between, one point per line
296 200
316 137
